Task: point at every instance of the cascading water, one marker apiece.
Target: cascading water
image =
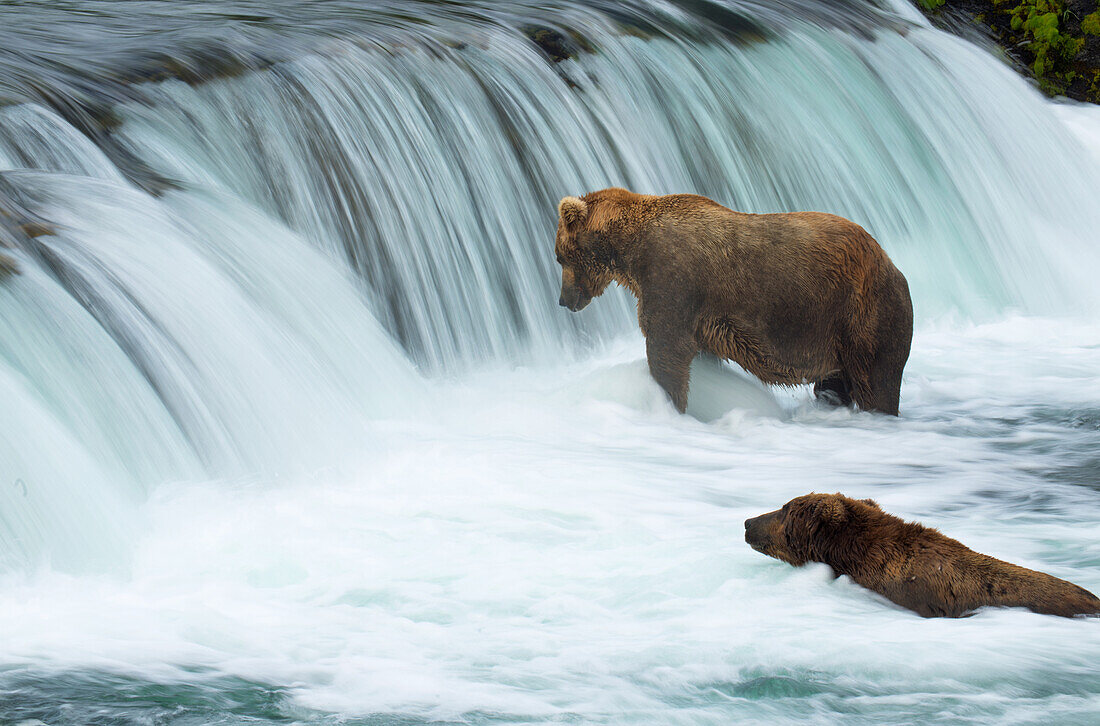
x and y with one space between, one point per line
155 338
350 147
295 430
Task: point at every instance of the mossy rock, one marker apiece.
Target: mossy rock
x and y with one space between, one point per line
1057 40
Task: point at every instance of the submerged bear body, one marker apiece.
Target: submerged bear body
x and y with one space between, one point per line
912 565
793 298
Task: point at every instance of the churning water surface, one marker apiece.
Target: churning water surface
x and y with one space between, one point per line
295 432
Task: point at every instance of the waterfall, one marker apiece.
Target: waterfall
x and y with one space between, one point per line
434 171
294 428
159 339
398 188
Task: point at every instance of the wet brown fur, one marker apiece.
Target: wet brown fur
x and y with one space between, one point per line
914 566
792 298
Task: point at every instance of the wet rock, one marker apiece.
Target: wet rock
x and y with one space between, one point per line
18 227
557 45
8 266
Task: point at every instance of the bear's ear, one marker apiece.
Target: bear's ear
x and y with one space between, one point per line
832 511
573 212
871 503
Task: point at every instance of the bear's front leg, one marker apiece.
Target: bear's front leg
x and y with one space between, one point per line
670 357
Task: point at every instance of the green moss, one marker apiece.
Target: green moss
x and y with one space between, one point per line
1093 93
1039 25
1091 23
1036 32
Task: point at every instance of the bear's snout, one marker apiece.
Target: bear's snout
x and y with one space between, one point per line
754 532
760 532
573 298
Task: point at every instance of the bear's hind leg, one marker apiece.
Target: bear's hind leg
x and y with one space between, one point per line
833 390
885 393
877 387
893 338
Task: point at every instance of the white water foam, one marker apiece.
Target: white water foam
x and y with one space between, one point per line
558 543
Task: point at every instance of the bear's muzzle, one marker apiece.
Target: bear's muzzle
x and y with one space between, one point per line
759 532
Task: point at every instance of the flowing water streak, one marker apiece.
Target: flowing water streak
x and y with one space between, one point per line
152 340
352 145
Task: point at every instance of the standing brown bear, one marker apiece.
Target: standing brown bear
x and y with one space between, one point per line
908 563
792 298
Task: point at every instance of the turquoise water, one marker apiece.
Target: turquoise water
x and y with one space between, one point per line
296 431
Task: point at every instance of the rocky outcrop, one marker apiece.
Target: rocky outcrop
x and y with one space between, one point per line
1057 41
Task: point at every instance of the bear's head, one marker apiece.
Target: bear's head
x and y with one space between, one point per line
583 249
811 528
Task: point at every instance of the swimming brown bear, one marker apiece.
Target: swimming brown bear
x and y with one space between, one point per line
912 565
792 298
